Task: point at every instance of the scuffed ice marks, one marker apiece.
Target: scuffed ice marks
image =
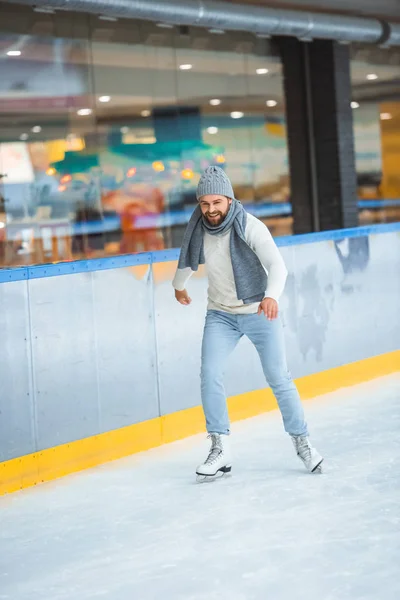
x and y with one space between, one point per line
141 527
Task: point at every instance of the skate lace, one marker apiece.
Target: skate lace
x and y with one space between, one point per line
304 448
216 450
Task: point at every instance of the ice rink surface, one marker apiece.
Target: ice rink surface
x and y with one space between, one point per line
142 529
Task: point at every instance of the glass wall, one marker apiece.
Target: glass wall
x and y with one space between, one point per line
106 126
376 109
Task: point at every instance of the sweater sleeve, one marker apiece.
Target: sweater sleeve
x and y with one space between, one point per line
181 278
262 243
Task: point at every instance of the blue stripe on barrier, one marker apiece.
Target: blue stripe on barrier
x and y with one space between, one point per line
336 234
159 256
90 265
13 274
165 255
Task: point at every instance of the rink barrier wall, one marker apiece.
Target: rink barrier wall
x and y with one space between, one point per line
53 463
160 256
101 362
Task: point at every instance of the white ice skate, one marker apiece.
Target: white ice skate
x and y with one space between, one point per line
307 454
218 461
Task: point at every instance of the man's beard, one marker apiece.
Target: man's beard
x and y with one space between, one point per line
219 218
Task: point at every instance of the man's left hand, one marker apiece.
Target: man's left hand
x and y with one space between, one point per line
269 307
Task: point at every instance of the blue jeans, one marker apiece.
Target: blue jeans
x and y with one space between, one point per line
222 333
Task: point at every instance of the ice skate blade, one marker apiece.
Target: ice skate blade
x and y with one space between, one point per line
223 472
318 468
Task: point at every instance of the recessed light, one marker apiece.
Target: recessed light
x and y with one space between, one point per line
84 112
386 116
14 53
212 130
36 129
23 137
271 103
215 102
145 113
262 71
354 105
372 76
165 25
44 10
185 67
236 114
104 98
106 18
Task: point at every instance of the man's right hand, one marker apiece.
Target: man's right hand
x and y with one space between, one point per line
183 297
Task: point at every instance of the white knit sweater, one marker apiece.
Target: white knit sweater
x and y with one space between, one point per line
222 291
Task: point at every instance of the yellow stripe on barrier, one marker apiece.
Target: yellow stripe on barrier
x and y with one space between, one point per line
29 470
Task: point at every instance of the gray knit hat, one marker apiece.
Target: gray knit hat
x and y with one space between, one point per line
214 181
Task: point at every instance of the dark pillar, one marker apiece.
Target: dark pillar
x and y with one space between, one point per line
320 134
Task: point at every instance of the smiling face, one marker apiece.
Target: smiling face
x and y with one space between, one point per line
215 208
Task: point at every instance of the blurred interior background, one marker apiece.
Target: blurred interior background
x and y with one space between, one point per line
106 126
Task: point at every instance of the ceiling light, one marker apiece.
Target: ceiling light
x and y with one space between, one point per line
145 113
104 98
165 25
14 53
216 31
354 105
262 71
236 114
212 130
106 18
84 112
372 76
386 116
124 129
23 137
36 129
215 102
185 67
271 103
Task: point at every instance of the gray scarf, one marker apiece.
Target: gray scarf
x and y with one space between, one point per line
250 276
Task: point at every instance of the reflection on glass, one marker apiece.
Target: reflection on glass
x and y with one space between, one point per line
106 128
376 109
